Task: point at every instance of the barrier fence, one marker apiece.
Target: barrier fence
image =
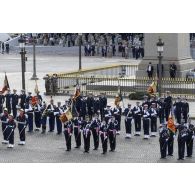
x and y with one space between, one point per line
64 84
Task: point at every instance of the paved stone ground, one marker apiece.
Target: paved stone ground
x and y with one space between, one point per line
50 147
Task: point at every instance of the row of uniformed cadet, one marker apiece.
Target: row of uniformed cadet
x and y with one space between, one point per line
185 138
95 128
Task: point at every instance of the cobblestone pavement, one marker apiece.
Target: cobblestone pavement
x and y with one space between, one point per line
50 148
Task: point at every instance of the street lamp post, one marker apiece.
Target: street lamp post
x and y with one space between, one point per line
34 76
23 59
80 42
160 48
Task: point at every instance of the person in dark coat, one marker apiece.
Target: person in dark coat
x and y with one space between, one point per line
117 112
185 110
168 104
137 114
178 109
83 111
51 108
150 70
2 100
96 105
163 139
104 136
29 109
128 113
146 121
37 115
8 98
68 130
22 98
57 113
102 104
14 100
190 139
161 110
77 122
172 70
90 103
4 119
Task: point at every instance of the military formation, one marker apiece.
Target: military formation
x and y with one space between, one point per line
93 119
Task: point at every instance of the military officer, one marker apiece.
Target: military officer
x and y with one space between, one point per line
57 113
153 117
146 121
128 113
4 120
178 109
168 104
8 98
185 110
22 98
29 109
29 97
77 122
96 105
95 127
22 120
68 129
146 101
83 107
51 108
190 139
137 114
11 125
164 136
161 110
112 133
14 100
2 99
117 111
37 114
90 104
103 104
104 136
182 133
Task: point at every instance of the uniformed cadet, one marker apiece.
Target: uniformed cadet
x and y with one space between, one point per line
77 131
29 111
95 127
57 113
107 113
178 109
146 101
163 139
112 133
168 104
4 120
83 107
28 97
96 105
51 108
22 98
190 139
182 133
22 120
86 128
137 114
153 101
128 113
8 98
103 104
44 114
37 114
117 112
39 97
104 136
14 100
90 104
185 110
153 117
11 125
161 110
68 129
146 121
2 99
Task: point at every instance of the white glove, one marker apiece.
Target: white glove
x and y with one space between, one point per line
192 136
174 136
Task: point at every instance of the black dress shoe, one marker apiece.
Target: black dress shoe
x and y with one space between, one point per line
51 131
59 133
189 156
95 149
103 153
169 154
29 131
43 132
68 150
163 158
